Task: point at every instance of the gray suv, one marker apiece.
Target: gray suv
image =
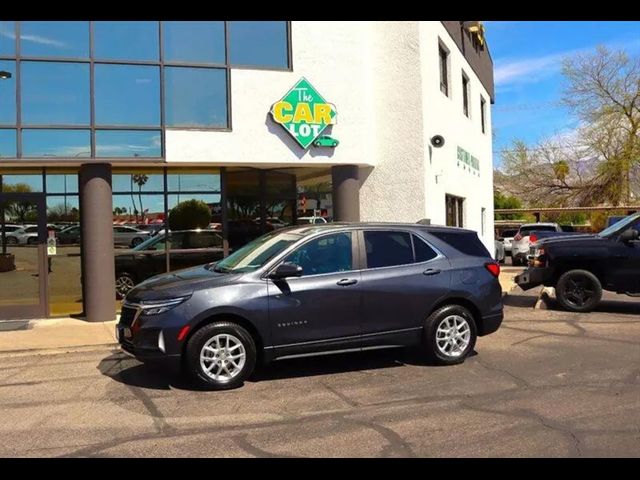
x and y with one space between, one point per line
317 289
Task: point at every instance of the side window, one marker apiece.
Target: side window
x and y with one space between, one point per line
385 249
326 254
177 240
424 252
205 240
319 220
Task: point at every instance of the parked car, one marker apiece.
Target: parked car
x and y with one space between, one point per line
188 248
301 291
152 228
523 240
581 266
27 235
614 219
307 220
499 251
69 235
10 227
129 236
507 238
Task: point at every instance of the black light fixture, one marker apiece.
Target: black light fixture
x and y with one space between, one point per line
5 75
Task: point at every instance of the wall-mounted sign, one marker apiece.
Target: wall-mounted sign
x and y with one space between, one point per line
468 161
304 113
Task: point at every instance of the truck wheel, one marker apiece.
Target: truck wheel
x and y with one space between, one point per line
578 291
449 335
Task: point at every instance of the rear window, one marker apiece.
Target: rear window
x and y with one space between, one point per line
465 242
509 233
540 228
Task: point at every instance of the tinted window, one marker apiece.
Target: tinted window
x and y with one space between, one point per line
205 240
465 242
7 38
54 39
8 143
56 143
127 95
125 40
128 143
423 251
8 93
55 93
326 254
195 97
385 249
258 44
509 233
541 228
200 42
178 240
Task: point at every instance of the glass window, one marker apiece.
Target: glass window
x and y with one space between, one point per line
54 39
142 180
465 242
8 144
126 40
55 93
444 70
455 211
56 143
62 182
138 208
194 181
127 95
483 106
465 94
211 200
198 42
326 254
26 181
128 143
7 38
195 97
385 249
204 239
423 251
8 94
258 43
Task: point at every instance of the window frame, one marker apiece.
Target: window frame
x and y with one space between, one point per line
278 260
363 250
442 49
483 114
92 60
466 94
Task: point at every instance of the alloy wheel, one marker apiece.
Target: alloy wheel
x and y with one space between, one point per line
453 336
223 357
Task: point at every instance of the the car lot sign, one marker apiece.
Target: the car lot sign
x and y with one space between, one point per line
304 113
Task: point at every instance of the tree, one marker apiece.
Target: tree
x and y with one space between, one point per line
501 201
140 180
19 210
189 214
599 164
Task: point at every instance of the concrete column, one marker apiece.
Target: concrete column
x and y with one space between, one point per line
345 193
96 223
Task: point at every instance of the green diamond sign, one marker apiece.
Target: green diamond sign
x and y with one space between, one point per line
304 113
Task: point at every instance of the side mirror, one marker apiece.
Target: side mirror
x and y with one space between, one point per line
285 270
630 235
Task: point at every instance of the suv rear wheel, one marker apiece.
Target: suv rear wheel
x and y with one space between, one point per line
450 335
221 355
578 291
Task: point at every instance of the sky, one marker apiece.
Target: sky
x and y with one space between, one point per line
527 59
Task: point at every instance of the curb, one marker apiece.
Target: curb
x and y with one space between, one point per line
58 350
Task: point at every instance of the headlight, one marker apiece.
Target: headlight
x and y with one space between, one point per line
161 306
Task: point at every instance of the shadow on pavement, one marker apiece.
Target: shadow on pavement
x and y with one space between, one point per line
629 307
129 371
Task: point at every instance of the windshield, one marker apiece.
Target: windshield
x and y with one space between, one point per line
256 253
149 242
620 226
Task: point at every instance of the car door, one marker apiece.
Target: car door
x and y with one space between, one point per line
402 278
321 309
625 264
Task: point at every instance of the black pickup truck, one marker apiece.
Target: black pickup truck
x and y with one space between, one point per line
581 266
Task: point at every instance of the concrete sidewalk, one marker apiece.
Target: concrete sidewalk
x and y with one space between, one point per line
28 337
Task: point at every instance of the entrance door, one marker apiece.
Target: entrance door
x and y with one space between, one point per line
23 256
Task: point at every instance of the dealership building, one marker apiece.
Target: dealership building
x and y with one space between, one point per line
107 124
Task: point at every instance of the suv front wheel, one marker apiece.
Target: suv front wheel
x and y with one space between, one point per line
450 335
221 356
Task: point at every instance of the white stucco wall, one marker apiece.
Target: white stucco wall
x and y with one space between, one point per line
444 116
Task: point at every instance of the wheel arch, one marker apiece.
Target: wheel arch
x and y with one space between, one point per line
593 267
462 302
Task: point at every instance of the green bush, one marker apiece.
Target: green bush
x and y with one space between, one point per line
189 214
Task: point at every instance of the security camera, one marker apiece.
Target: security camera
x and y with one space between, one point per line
437 141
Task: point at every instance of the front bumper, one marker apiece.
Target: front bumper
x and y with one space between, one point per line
533 276
144 350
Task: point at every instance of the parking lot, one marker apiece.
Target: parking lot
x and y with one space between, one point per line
548 383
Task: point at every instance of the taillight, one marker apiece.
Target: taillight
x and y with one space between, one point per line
533 238
494 269
518 237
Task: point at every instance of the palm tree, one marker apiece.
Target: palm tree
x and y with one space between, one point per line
140 179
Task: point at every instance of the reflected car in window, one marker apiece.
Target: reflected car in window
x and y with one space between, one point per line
187 248
27 235
129 236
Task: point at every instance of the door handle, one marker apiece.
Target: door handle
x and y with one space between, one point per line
346 282
431 271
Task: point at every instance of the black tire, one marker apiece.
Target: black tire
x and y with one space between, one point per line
199 340
431 335
578 291
136 241
124 282
12 241
31 241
